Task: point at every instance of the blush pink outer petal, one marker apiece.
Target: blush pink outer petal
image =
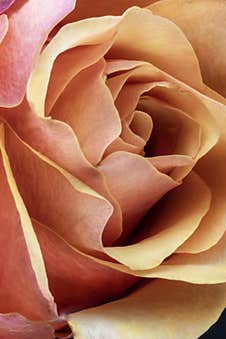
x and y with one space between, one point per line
57 198
77 281
23 284
43 134
29 25
87 106
5 4
159 309
4 25
130 176
14 326
203 22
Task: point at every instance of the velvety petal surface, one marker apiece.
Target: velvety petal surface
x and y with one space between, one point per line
24 285
70 207
14 326
177 216
17 53
159 309
203 22
77 281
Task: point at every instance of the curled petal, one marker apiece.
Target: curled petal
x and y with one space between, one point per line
24 285
17 53
5 4
203 22
143 313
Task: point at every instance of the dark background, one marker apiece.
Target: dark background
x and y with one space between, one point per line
218 330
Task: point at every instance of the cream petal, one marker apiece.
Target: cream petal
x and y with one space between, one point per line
203 22
176 218
130 176
146 37
24 284
207 267
159 309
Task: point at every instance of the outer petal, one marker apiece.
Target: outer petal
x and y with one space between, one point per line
175 219
5 4
77 281
19 49
64 207
203 22
3 26
160 309
14 326
87 8
23 284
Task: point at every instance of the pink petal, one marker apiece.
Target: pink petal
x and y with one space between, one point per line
3 26
76 280
5 4
129 176
14 326
90 111
24 285
17 54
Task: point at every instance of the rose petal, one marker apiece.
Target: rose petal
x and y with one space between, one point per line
203 22
24 285
146 37
4 25
159 309
167 163
142 125
90 111
63 207
5 4
207 267
17 54
129 176
99 30
77 281
43 135
212 169
14 326
86 8
174 221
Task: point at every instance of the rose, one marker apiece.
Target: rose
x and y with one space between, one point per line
77 177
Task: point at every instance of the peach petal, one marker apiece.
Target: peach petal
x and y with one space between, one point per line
77 281
89 32
174 131
167 163
131 138
90 111
24 285
43 135
63 207
119 65
129 176
67 65
121 145
159 309
17 54
14 326
203 24
207 267
212 169
175 220
146 37
86 8
142 125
